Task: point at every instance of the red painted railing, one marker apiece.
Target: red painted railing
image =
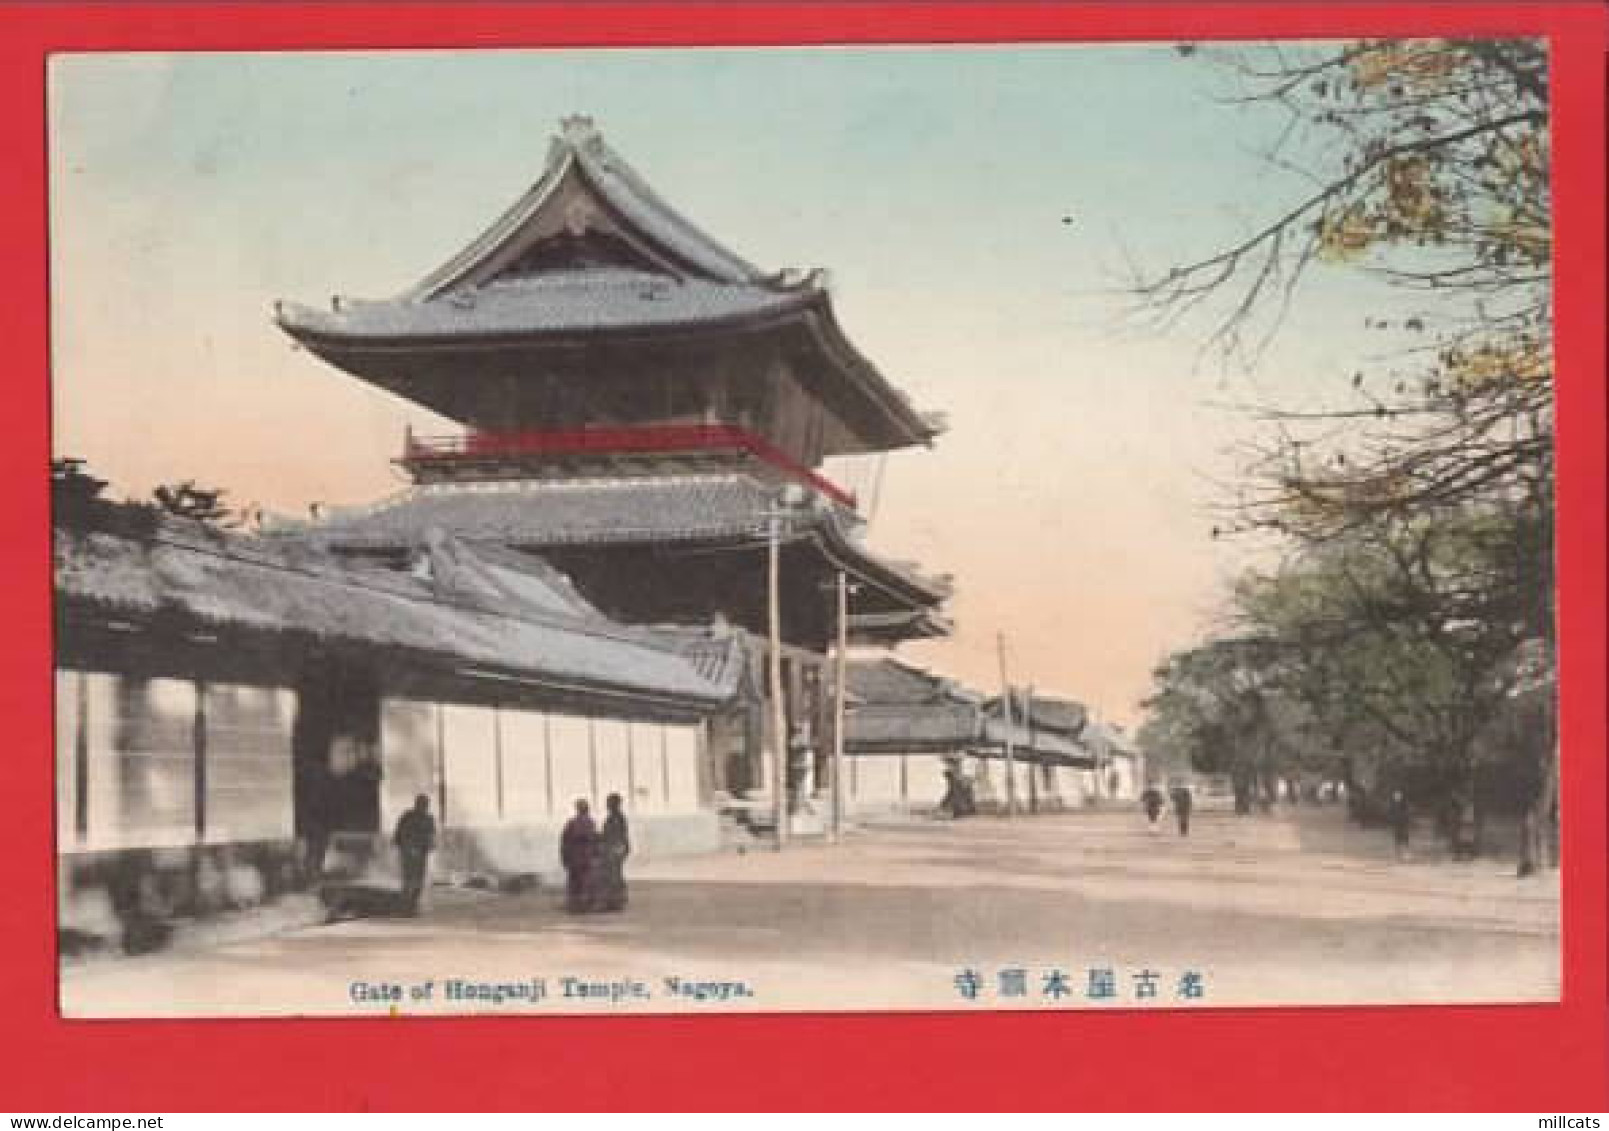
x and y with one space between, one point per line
638 440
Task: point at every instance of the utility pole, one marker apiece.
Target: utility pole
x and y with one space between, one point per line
779 716
841 679
1011 761
1033 762
1098 748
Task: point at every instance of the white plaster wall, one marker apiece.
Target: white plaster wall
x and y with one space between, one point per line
249 762
570 744
682 750
526 796
469 760
408 756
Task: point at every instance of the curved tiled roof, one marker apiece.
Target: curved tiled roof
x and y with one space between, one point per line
591 300
538 513
1065 716
888 680
561 512
1036 743
627 191
911 727
900 708
467 613
579 149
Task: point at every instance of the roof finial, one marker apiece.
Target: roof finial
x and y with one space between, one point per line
580 130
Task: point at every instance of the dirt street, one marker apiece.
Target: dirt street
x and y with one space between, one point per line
1042 912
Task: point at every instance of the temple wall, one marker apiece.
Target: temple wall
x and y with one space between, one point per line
1126 772
173 797
507 766
1051 788
886 783
1020 771
127 762
177 797
924 775
512 778
1052 785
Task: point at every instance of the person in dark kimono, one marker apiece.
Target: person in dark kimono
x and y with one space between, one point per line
1152 800
613 848
1180 796
1401 816
415 838
578 851
951 801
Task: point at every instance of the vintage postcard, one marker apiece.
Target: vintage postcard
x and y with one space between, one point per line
1060 527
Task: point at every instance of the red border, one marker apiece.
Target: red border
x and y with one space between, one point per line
1538 1058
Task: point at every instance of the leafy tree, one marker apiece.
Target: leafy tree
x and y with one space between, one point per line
1218 708
186 500
72 487
1404 637
1418 501
1428 166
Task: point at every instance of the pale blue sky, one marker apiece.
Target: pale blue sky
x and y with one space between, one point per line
189 192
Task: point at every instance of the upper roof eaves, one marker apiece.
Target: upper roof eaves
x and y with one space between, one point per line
590 301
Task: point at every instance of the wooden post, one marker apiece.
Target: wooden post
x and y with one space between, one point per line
81 757
779 718
1011 762
547 760
497 754
631 764
441 765
1033 761
664 764
592 760
198 734
840 669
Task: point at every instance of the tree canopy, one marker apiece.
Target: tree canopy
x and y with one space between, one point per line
1412 609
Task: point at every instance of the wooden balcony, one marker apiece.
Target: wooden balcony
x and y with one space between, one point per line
528 447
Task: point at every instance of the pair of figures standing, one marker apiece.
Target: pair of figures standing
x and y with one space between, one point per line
595 860
1181 800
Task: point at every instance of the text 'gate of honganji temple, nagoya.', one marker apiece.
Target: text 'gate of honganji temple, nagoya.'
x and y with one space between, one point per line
649 414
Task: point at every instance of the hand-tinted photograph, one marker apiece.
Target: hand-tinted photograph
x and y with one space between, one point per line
766 530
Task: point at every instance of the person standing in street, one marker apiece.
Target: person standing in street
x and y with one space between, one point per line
614 846
1180 796
415 838
1401 816
1152 800
951 802
578 850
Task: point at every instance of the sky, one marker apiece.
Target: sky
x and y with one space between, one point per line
979 210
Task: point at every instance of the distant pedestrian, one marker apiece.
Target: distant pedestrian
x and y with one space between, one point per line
1152 800
613 847
955 801
1401 817
415 838
578 851
1180 796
